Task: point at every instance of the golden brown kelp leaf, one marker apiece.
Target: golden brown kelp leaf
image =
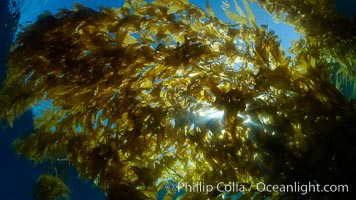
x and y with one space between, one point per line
143 95
50 187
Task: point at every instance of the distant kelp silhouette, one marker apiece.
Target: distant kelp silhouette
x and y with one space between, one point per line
50 187
156 92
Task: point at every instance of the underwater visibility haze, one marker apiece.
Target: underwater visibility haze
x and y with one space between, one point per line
157 93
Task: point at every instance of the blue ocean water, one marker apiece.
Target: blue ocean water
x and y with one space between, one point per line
18 175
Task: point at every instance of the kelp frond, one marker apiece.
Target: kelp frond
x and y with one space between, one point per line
329 33
240 17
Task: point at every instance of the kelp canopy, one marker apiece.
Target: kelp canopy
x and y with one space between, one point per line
162 91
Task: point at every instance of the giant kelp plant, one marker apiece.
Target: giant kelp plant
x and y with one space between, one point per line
151 93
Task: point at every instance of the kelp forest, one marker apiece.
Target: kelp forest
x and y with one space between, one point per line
164 92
